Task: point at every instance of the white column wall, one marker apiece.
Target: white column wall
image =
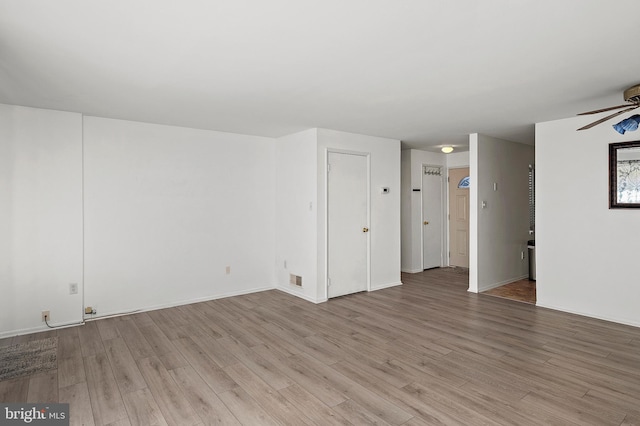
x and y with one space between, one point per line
40 218
503 225
406 249
473 212
297 213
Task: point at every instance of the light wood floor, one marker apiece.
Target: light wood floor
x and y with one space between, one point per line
427 352
522 291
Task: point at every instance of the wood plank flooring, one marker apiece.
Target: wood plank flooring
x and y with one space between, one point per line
522 291
424 353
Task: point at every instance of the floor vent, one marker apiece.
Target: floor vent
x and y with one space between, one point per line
295 280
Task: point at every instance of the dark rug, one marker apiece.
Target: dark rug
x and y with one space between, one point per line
28 358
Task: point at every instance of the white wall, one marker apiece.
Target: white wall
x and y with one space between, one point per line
40 218
406 227
167 209
412 234
503 225
473 212
458 159
296 213
587 254
162 211
385 208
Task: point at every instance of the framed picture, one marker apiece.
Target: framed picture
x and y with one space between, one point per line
624 175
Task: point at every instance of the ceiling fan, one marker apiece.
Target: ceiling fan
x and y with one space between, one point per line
631 95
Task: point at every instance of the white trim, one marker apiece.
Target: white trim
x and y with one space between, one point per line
422 218
501 283
293 292
120 314
387 285
583 314
411 271
82 182
145 309
39 329
184 302
473 214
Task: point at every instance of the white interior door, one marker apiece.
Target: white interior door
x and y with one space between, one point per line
347 223
431 217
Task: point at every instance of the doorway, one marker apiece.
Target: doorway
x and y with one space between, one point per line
459 217
431 217
347 223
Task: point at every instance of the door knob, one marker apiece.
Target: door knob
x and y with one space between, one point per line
426 222
365 229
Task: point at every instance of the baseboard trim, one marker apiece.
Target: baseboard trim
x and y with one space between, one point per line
292 292
588 315
501 283
39 329
190 301
174 304
388 285
411 271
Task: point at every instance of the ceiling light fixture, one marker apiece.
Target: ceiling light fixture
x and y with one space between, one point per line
628 125
447 149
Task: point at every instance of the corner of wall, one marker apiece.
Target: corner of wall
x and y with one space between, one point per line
473 213
297 213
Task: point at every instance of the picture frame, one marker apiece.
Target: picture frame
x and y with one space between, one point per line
624 175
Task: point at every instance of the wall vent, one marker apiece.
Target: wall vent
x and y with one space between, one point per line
295 280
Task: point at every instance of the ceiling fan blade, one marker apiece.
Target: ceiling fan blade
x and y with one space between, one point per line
604 109
608 117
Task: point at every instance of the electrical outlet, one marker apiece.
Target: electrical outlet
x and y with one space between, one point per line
46 316
522 255
73 288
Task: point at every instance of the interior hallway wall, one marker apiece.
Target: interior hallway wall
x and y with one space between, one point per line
499 211
412 162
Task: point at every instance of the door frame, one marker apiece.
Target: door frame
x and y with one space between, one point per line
448 216
367 155
443 211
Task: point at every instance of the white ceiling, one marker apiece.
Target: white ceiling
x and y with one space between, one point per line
427 72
